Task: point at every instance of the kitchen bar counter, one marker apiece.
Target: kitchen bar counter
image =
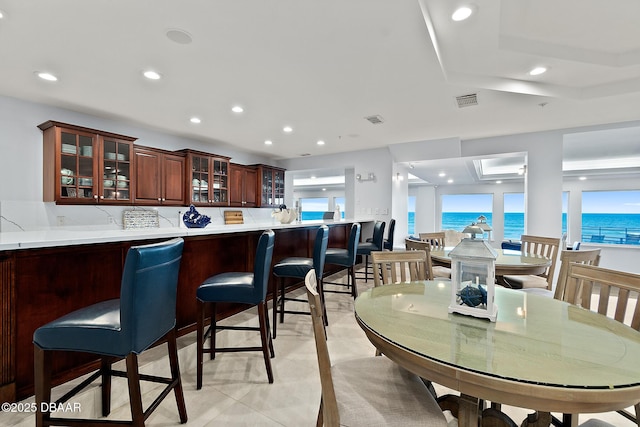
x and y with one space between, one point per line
46 274
67 236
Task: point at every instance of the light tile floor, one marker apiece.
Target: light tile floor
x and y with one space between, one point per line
235 388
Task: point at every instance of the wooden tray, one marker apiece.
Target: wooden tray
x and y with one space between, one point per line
233 217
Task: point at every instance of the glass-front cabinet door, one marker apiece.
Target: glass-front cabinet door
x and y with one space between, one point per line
83 166
267 187
116 170
271 186
76 166
207 179
278 187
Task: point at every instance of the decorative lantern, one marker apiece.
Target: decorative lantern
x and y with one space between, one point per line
486 228
473 269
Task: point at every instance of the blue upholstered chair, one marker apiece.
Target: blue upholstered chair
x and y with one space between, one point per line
297 268
241 288
116 329
345 257
376 244
388 242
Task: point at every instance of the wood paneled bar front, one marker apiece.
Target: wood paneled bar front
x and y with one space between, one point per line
40 284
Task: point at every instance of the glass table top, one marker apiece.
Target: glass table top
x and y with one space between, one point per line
535 339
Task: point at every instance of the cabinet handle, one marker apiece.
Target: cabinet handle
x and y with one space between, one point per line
159 199
101 197
95 196
164 200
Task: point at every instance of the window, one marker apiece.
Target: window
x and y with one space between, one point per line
513 216
411 219
611 217
460 210
314 207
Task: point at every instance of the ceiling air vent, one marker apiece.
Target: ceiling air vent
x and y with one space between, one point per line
305 154
467 100
376 120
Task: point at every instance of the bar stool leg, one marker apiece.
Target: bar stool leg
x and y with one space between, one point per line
200 343
172 348
42 377
105 370
267 351
212 337
135 397
274 299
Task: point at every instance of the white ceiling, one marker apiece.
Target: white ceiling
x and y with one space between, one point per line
322 66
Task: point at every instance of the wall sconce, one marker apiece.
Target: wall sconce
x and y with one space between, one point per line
522 170
398 177
371 177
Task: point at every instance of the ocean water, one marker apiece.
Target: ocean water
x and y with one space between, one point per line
607 228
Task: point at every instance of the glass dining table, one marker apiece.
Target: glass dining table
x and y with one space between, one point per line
509 262
541 353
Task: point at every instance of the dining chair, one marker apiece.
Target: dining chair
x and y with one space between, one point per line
376 244
399 266
370 391
611 293
437 240
297 268
419 245
589 257
544 246
346 258
248 288
116 329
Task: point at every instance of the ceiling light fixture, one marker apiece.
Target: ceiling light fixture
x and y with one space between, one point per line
320 142
287 129
46 76
462 13
441 174
268 142
237 109
582 178
498 182
152 75
537 71
195 120
450 181
179 36
2 14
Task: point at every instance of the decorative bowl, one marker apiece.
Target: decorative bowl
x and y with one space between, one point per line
193 219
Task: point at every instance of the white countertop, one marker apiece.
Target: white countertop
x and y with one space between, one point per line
75 236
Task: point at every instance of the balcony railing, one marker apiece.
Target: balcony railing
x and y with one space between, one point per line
611 235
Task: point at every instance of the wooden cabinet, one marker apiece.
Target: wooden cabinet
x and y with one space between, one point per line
159 176
207 179
271 186
243 186
83 166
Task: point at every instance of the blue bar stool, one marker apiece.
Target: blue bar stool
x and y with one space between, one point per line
388 242
345 257
116 329
376 244
242 288
298 267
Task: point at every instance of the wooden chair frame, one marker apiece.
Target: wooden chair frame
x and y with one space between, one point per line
399 266
545 246
581 287
436 239
588 257
419 245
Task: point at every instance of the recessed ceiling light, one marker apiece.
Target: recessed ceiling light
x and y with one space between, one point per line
46 76
320 142
582 178
287 129
324 189
498 182
2 14
313 177
195 120
151 75
537 71
441 174
237 109
450 181
462 13
268 142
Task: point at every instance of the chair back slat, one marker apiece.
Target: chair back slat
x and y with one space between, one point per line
399 267
614 293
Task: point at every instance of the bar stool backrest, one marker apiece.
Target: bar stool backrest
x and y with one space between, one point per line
262 263
320 249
